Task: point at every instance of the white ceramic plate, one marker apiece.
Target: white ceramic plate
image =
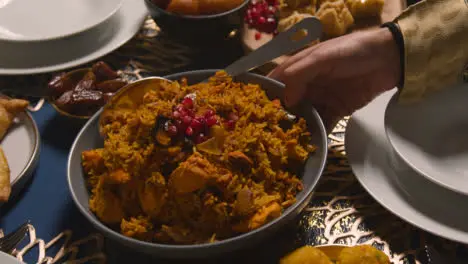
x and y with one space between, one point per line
21 147
61 54
394 184
7 259
432 136
38 20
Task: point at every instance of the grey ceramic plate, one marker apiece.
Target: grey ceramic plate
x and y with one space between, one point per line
431 136
25 20
394 184
89 138
21 147
48 56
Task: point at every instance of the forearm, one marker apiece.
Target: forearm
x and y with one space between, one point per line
435 36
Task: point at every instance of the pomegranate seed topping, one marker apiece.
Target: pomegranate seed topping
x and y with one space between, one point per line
180 125
209 113
233 116
187 102
230 124
254 12
172 130
261 20
189 131
196 125
270 25
201 119
188 112
258 35
211 121
176 114
200 138
261 15
179 108
187 120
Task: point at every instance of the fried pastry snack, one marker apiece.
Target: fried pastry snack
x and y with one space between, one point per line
335 17
365 8
9 108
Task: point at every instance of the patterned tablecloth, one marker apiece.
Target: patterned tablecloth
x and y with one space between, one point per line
341 212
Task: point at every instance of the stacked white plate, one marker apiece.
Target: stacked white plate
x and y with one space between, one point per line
51 35
413 159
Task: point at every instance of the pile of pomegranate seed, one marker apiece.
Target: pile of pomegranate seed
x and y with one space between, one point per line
185 122
261 15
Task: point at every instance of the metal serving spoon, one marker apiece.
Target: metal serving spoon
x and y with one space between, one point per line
295 38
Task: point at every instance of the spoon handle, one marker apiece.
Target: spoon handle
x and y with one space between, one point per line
295 38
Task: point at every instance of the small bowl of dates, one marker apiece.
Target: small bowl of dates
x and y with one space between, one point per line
81 93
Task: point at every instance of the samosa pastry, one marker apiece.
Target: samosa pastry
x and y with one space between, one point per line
335 17
9 108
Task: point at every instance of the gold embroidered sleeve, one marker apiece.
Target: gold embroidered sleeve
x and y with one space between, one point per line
435 34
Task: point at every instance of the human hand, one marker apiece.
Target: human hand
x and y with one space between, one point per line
341 75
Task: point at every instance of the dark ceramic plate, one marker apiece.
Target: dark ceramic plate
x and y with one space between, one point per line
198 29
89 138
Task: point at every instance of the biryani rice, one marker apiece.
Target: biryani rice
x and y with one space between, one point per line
239 179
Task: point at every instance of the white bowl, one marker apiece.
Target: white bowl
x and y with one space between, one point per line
430 136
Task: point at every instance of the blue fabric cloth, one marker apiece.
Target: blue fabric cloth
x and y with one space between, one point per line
46 200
